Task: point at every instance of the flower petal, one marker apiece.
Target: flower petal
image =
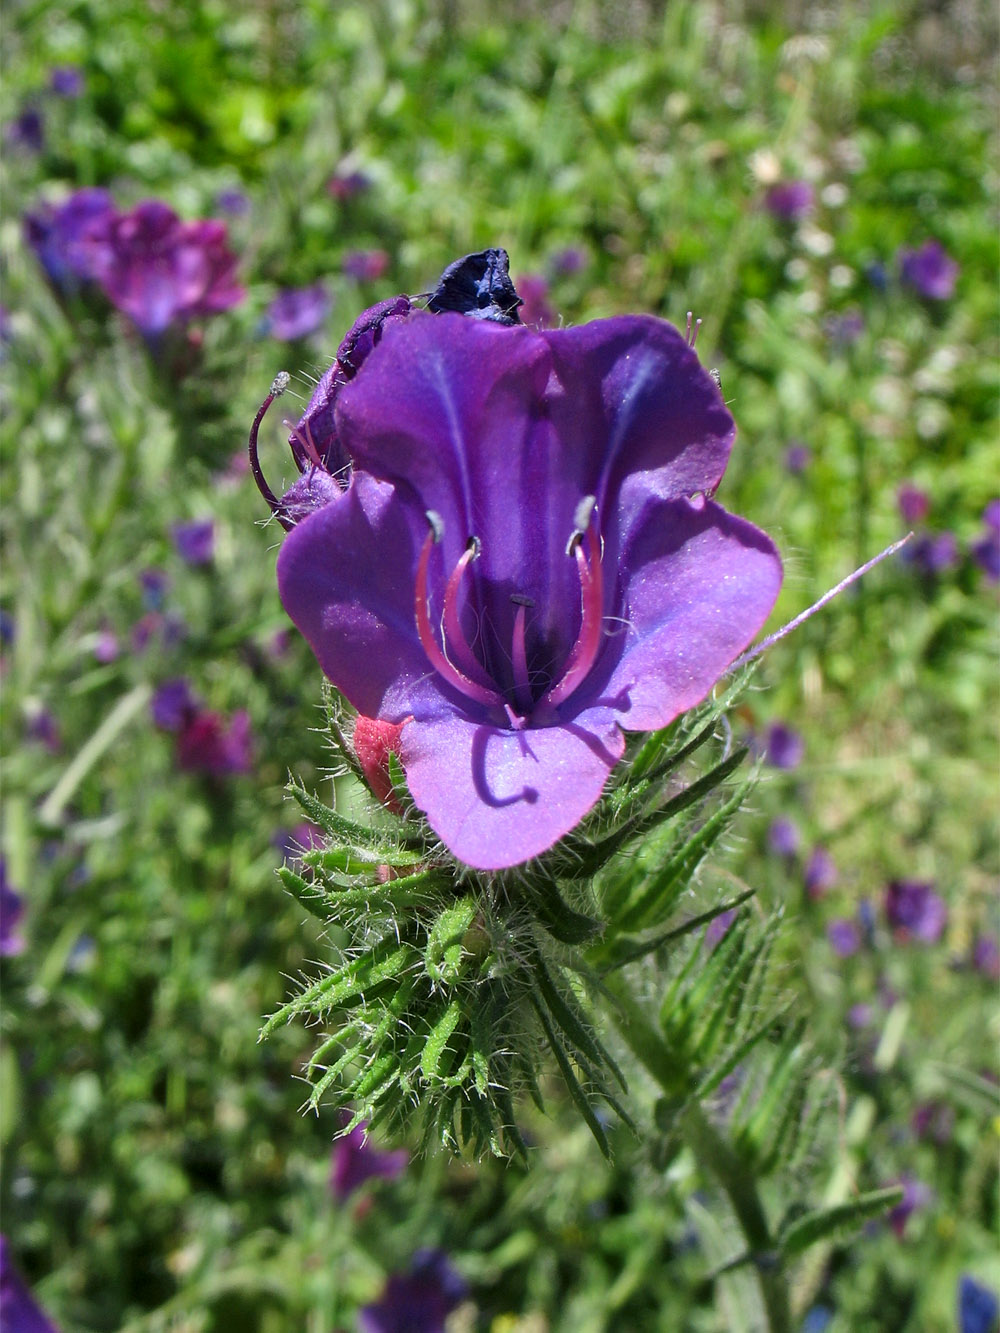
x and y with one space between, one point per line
698 583
345 575
498 797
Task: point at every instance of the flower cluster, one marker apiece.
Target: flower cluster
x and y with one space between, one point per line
503 542
155 268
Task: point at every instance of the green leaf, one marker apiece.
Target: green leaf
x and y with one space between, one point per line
446 941
838 1220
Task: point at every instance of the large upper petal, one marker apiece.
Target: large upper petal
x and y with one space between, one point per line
497 797
346 578
454 410
695 584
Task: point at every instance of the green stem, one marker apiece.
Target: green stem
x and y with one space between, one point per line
714 1154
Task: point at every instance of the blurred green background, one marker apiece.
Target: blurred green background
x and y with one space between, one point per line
157 1172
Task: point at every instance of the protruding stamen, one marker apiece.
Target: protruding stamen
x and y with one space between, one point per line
584 652
278 387
692 337
519 655
454 637
304 438
455 678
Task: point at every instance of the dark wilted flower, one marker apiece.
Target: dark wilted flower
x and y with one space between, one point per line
66 80
783 837
536 309
208 743
915 911
783 747
11 914
161 271
366 265
797 459
19 1312
913 503
296 312
929 271
525 563
790 200
64 236
916 1195
820 873
844 937
418 1301
354 1160
978 1307
194 542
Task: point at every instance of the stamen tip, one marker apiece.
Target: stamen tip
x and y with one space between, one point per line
436 523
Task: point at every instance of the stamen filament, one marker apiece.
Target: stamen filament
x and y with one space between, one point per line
584 652
522 683
455 678
278 387
453 635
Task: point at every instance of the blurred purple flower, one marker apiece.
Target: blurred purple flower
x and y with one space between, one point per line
365 265
11 913
173 704
296 312
43 728
991 515
916 1195
8 629
860 1015
536 309
978 1307
26 131
66 80
106 647
929 271
932 553
354 1160
915 911
845 328
783 837
564 263
19 1312
877 275
934 1121
154 584
986 553
194 542
161 271
913 503
291 843
797 459
783 747
63 236
509 734
844 937
208 743
418 1301
820 873
985 956
790 200
344 185
719 927
233 201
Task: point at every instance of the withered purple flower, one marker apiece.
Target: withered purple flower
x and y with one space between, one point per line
525 563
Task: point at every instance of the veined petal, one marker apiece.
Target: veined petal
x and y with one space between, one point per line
345 575
696 586
498 797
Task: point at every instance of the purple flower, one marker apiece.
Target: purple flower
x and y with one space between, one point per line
978 1307
66 80
19 1312
208 744
991 516
524 563
536 310
719 927
915 1195
291 843
366 265
877 275
106 647
354 1160
797 459
418 1301
173 705
64 236
783 837
820 873
344 185
298 311
11 913
985 956
564 263
934 1120
929 271
913 503
844 937
915 911
154 584
232 201
986 551
160 271
932 554
26 131
784 747
846 328
860 1015
790 200
43 728
194 541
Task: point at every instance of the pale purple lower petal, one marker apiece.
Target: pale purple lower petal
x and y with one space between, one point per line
498 797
